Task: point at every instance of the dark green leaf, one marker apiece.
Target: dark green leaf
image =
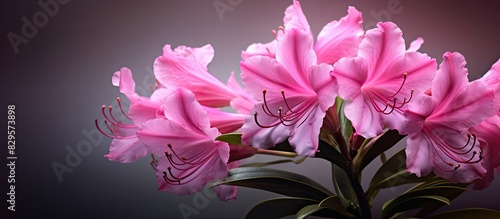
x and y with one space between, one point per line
278 181
469 213
343 186
393 173
231 138
395 206
345 124
335 204
378 145
412 199
314 210
278 207
297 161
331 154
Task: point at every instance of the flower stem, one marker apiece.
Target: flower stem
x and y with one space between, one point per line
277 153
353 177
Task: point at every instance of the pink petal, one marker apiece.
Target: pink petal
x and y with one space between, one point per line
225 122
304 138
126 150
181 106
263 73
202 55
340 38
266 49
418 155
381 46
124 80
259 137
415 45
324 84
366 120
351 74
295 18
174 70
244 103
296 55
450 78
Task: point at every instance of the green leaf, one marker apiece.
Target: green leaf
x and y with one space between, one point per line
393 173
418 198
345 124
377 146
278 181
279 207
314 210
335 204
231 138
469 213
331 154
297 161
343 186
395 206
450 194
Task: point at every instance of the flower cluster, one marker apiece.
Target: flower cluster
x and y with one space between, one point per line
295 87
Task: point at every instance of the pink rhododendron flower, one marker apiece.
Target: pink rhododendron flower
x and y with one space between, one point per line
294 93
190 157
488 132
337 39
381 80
438 125
126 147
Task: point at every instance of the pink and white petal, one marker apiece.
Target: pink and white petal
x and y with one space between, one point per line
125 81
295 18
181 106
158 133
340 38
126 150
363 117
142 110
415 45
211 170
418 155
244 103
174 70
419 68
201 55
381 46
259 137
351 74
260 73
467 108
324 84
450 78
225 122
295 53
304 138
263 49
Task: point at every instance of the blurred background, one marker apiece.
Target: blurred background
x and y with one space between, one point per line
58 58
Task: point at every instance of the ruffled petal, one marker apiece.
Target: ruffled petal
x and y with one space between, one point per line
126 150
175 70
340 38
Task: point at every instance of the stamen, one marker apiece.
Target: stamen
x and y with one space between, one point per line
275 34
121 108
286 102
382 96
401 87
101 131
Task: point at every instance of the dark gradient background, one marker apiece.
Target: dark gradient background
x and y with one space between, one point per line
61 77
